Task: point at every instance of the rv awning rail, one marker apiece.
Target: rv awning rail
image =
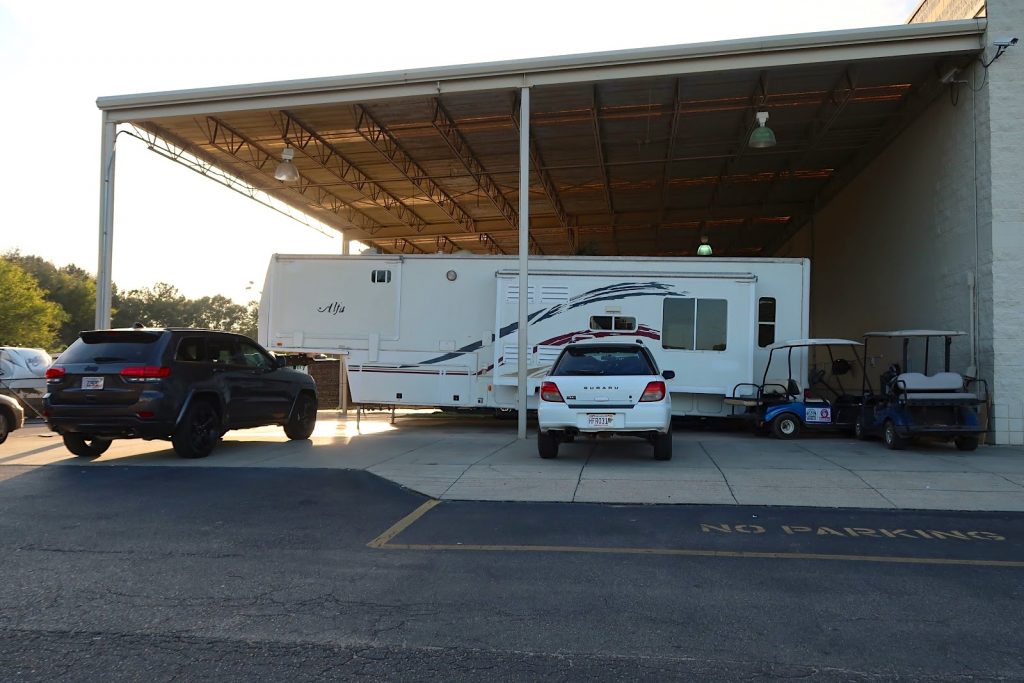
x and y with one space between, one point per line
740 277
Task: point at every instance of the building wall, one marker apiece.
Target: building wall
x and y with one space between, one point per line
946 10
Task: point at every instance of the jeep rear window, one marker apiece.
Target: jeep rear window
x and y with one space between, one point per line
603 360
111 346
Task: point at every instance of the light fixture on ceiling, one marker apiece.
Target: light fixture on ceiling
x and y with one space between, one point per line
762 136
286 171
704 249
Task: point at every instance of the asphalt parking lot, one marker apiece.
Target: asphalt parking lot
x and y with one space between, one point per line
125 572
472 458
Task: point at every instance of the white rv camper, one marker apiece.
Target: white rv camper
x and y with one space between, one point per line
439 330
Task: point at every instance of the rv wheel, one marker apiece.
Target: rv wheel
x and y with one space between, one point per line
966 443
893 441
786 426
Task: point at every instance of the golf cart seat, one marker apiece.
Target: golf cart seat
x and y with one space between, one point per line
781 387
942 386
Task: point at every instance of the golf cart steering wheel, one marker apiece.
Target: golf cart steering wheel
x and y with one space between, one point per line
818 377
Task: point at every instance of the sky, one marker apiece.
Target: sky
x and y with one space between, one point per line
172 225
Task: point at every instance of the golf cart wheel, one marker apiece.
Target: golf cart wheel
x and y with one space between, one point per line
86 446
663 446
786 426
966 443
859 432
893 441
547 445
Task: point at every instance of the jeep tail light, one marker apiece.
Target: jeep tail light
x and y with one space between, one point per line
145 373
549 392
655 391
55 373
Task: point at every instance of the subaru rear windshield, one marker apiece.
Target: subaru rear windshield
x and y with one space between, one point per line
604 360
110 346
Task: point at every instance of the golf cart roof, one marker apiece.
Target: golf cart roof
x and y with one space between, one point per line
793 343
916 333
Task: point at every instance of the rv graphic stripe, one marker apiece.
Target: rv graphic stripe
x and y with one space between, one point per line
622 290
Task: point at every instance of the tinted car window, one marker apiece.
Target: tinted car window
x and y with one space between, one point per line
190 349
221 350
254 358
603 360
110 346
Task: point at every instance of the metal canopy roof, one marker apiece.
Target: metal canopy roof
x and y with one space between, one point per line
635 153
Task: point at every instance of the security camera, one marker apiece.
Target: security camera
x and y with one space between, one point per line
1004 42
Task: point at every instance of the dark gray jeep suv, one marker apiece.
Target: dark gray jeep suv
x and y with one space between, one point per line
189 386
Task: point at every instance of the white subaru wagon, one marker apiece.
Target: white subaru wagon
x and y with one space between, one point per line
605 387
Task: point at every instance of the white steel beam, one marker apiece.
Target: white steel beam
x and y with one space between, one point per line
524 254
104 269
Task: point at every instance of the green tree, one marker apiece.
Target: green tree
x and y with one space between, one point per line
164 306
26 317
72 288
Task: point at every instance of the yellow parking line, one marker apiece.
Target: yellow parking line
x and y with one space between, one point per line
382 542
402 524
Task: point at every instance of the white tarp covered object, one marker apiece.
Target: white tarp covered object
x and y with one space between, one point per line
23 372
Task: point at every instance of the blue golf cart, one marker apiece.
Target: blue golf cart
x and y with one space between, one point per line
907 404
784 408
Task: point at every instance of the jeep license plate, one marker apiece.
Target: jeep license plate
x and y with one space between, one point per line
92 383
594 420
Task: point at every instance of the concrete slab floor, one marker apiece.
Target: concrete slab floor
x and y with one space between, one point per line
476 458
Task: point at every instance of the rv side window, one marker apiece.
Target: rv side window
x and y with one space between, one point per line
765 321
380 276
712 319
612 322
694 324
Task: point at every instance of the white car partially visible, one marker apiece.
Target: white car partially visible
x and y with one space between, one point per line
605 387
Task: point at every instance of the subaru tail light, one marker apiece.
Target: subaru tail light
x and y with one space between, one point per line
549 392
54 374
655 391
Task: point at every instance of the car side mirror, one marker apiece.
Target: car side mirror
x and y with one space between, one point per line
668 374
280 361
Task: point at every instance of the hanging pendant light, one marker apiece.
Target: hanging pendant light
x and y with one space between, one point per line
286 171
762 136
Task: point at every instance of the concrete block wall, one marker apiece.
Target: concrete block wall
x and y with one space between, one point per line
896 247
1004 251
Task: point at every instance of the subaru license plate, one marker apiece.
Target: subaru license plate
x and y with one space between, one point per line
599 420
92 383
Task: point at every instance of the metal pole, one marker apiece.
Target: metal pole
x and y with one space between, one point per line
342 386
524 251
104 281
345 244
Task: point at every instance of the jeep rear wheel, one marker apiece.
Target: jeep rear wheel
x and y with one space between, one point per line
5 427
198 432
85 445
300 425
